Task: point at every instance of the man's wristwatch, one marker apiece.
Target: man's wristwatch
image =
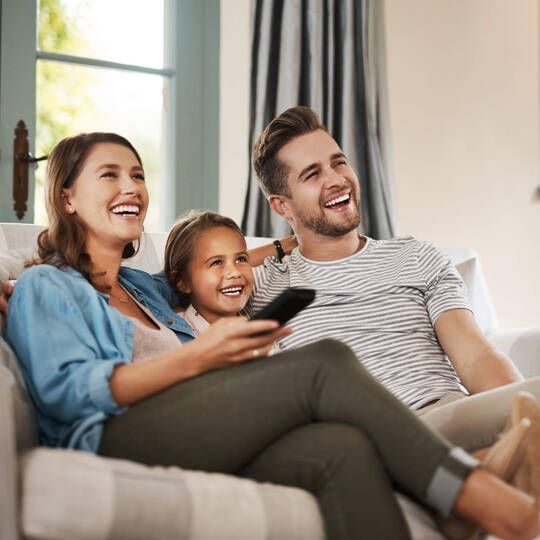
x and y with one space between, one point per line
279 249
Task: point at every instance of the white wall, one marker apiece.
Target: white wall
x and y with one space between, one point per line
235 53
464 106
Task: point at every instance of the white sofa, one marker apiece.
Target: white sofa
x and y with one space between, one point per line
63 494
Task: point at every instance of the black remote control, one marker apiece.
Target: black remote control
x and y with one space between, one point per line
286 305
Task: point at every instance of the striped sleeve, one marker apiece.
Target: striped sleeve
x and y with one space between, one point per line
444 288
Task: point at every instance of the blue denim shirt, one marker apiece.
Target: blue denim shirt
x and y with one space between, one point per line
68 341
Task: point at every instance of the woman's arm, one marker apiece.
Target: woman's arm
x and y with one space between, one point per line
76 369
227 342
257 255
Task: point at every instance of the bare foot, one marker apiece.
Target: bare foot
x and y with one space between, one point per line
497 507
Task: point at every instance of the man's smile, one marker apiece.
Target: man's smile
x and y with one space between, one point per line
340 202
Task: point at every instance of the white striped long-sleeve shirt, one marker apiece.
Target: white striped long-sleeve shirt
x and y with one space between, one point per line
383 302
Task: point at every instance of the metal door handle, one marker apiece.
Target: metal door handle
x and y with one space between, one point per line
27 157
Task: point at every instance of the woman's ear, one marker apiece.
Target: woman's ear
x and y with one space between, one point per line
66 194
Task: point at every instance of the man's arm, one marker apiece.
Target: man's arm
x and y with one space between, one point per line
479 365
257 255
6 290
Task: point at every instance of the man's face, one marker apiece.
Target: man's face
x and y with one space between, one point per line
324 190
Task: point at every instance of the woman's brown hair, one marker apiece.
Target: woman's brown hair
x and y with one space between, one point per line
63 242
181 244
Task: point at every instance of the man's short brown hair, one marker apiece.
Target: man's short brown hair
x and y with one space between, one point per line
271 172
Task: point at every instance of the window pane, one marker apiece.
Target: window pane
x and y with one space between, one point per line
126 31
75 99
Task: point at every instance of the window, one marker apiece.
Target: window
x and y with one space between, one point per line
147 69
101 67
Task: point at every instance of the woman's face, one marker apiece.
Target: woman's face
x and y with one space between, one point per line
109 196
221 276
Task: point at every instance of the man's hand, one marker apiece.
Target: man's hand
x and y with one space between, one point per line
6 290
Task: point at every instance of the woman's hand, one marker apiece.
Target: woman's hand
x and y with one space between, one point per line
232 340
227 342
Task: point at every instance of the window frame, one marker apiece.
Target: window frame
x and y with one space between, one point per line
192 70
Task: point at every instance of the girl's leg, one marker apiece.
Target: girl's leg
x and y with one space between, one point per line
339 465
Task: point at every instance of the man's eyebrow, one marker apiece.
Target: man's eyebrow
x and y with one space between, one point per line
333 157
308 169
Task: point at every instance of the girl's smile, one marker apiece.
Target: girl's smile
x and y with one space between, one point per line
221 279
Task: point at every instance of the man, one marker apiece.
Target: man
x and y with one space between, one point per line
399 304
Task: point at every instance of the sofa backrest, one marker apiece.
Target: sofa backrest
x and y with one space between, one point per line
18 241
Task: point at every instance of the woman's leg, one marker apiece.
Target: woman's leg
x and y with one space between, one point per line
221 420
340 466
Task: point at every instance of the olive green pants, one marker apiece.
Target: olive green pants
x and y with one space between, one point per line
311 417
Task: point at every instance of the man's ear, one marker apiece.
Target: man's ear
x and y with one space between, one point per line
281 205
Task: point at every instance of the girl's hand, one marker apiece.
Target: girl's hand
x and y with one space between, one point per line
232 340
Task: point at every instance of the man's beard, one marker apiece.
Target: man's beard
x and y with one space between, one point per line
320 224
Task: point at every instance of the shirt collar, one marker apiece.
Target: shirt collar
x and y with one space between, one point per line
195 320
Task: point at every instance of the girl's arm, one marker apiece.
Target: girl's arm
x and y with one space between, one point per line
257 255
227 342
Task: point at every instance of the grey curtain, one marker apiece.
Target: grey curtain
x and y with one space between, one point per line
328 55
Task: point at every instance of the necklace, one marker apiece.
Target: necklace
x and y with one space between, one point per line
123 300
126 301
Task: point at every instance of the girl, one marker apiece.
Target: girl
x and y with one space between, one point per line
207 262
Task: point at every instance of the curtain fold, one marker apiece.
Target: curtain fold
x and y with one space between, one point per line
328 55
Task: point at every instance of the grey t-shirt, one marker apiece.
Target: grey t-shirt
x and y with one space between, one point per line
383 302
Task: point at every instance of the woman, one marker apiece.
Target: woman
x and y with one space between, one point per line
113 370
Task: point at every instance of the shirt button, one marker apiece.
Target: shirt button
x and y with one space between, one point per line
169 321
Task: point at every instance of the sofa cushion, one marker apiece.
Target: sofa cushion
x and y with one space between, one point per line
74 495
478 294
12 262
25 420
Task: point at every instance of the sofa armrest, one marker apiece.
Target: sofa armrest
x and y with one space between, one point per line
8 459
522 345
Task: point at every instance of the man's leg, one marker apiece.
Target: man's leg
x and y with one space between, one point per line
474 422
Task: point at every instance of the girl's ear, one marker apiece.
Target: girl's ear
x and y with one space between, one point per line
182 287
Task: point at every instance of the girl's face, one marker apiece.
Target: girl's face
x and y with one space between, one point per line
109 196
221 276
